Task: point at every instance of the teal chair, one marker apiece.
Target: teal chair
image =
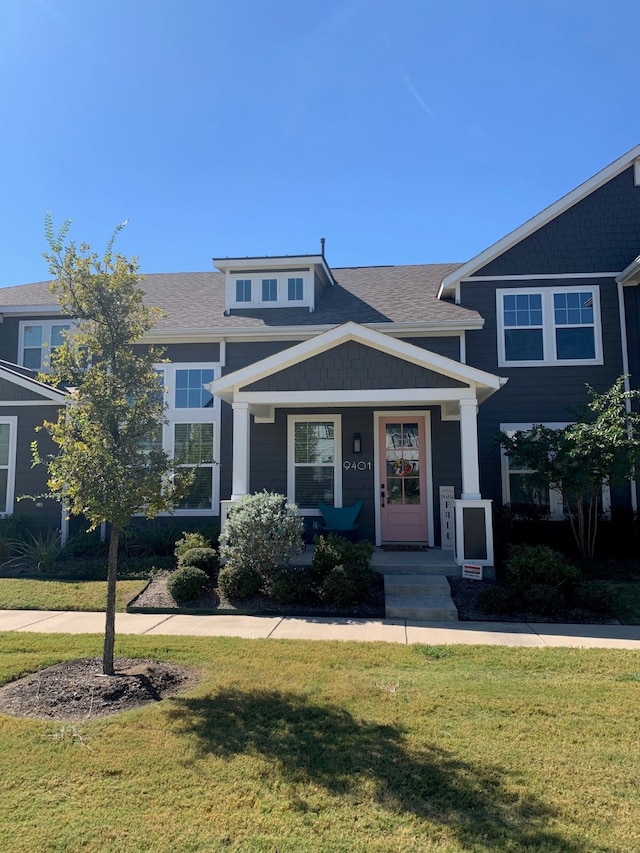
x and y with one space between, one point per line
340 520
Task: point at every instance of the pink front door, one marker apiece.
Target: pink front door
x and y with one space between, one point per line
403 481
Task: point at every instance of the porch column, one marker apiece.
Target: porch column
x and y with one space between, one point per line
241 436
469 449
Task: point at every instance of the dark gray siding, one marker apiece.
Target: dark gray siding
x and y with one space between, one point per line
241 354
13 393
9 333
449 347
534 394
601 233
33 480
632 314
352 366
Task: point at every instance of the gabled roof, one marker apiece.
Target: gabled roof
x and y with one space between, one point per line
452 279
484 383
24 378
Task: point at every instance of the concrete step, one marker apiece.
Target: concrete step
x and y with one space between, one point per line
440 568
424 598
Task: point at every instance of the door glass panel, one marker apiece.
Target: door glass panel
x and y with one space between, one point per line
402 449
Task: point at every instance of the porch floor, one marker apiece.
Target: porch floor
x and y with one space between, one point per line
435 561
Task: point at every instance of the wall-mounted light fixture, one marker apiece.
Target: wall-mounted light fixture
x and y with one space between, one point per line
357 442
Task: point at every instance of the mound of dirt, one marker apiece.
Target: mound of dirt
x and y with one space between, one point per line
77 690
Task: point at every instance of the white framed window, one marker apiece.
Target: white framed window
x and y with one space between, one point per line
549 326
8 441
192 431
243 290
38 340
518 490
314 461
295 289
269 289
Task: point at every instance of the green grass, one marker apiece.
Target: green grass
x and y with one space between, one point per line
625 600
302 747
24 594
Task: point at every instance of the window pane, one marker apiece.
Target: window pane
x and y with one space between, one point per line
33 336
314 483
190 389
4 444
32 358
522 491
57 338
295 289
194 443
523 344
243 290
199 494
153 441
576 342
314 442
269 289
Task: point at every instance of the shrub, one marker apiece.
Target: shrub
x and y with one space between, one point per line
239 581
153 536
290 585
594 597
202 558
530 565
332 550
38 551
544 599
261 532
186 583
346 584
495 599
188 541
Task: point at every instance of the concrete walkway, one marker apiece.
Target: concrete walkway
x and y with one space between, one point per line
538 635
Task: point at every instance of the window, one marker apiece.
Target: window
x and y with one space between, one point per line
38 340
314 461
192 431
548 327
269 289
8 433
519 491
243 290
295 290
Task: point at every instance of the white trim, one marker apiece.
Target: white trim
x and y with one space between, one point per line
636 172
12 403
395 396
532 277
337 460
630 274
549 327
29 309
405 414
463 347
12 421
45 346
532 225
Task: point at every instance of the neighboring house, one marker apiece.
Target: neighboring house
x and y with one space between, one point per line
386 385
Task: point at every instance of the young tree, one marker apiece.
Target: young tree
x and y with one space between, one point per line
108 465
602 449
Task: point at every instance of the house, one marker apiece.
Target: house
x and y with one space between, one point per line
386 385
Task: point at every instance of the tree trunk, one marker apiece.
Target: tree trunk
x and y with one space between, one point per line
110 616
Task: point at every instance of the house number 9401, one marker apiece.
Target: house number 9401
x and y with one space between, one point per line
360 465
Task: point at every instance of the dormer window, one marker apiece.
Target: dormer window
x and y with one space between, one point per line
243 290
38 340
269 289
283 281
295 289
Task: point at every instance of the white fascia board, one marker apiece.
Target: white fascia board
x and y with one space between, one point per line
631 274
33 385
450 281
399 396
29 309
361 334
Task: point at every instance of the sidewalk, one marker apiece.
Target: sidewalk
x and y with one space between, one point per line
405 631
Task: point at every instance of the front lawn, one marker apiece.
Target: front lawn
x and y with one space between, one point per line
27 594
333 747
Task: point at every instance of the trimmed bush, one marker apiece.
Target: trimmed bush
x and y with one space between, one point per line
238 581
544 599
592 596
186 583
262 531
530 565
346 585
188 541
290 585
495 599
331 551
202 558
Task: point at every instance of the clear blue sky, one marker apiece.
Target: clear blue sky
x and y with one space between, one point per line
404 132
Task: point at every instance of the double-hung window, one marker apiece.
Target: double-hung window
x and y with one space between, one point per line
37 342
314 461
8 437
243 290
549 326
269 289
295 289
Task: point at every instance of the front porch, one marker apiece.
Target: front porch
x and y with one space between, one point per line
434 561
